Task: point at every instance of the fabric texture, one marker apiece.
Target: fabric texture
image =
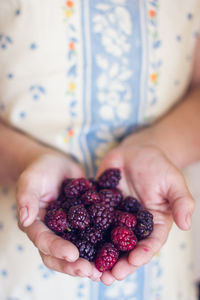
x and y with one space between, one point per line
80 76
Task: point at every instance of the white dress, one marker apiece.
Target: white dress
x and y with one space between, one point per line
80 76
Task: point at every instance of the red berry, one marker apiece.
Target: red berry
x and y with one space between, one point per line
101 216
56 220
121 218
109 178
78 217
123 238
106 257
90 197
111 197
76 187
92 235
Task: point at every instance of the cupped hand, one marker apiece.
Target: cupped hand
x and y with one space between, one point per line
38 185
148 175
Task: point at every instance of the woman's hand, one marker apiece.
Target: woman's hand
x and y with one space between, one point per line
38 185
148 175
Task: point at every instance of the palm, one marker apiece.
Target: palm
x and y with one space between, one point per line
157 184
39 185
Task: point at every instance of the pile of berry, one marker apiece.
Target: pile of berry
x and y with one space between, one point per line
94 216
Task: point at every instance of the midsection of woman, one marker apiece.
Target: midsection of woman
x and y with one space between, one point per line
80 76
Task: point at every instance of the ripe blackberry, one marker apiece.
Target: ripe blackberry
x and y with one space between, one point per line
107 256
121 218
101 216
71 202
70 236
109 178
90 197
76 187
144 225
64 183
111 197
123 238
56 220
86 250
130 204
54 205
93 184
78 217
92 235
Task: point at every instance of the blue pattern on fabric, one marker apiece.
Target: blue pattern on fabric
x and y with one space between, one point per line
5 41
45 272
115 84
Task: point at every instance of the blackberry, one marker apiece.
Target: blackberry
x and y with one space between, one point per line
78 217
93 184
130 204
56 220
123 238
54 205
76 187
107 256
70 236
71 202
92 235
109 178
144 225
110 197
90 197
100 215
86 250
121 218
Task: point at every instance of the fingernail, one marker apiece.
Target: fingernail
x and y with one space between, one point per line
189 220
23 215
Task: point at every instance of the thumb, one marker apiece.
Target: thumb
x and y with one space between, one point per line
181 201
113 159
28 200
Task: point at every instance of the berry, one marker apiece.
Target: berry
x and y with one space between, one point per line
93 184
64 183
78 217
144 225
100 215
121 218
71 202
130 204
70 236
106 257
123 238
86 250
110 197
92 235
76 187
57 221
54 205
109 178
90 197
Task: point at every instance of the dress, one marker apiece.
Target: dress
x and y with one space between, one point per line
80 76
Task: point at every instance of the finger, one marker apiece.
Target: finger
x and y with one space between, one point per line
150 246
107 278
28 200
95 273
81 267
122 269
181 201
114 159
49 243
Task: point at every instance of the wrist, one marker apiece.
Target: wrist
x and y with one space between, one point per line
153 137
